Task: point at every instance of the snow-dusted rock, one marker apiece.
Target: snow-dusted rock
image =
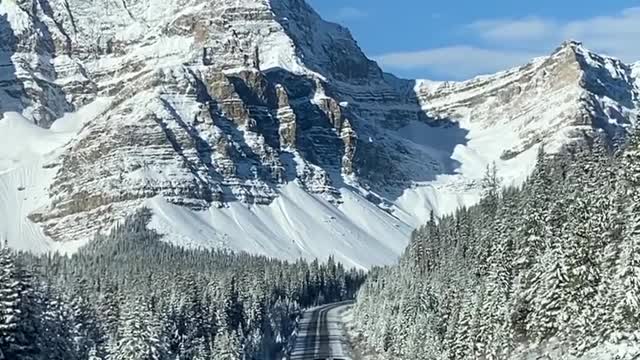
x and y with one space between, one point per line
551 100
266 128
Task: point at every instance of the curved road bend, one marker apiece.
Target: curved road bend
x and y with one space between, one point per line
321 335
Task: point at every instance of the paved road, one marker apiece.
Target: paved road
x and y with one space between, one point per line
321 335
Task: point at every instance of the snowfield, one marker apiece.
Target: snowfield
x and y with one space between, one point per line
24 150
27 152
296 225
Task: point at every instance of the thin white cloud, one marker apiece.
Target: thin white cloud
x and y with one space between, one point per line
504 43
350 13
455 61
616 34
526 29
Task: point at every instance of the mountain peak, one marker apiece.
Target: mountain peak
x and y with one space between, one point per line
241 122
569 50
573 44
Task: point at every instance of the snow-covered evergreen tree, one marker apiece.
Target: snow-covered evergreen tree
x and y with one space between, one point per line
18 310
227 346
553 263
139 336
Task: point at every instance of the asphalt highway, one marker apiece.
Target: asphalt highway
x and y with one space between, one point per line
321 335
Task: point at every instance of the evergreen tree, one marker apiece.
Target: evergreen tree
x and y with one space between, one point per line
57 326
18 325
554 263
227 346
139 337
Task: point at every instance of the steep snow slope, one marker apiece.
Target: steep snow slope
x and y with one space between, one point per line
296 225
256 125
24 179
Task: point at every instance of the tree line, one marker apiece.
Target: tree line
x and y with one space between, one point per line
130 296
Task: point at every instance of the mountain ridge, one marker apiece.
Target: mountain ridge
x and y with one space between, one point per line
256 112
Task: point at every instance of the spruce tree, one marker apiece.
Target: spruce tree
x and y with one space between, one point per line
227 346
18 310
627 277
139 336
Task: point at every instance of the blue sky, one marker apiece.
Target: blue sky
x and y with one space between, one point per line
457 39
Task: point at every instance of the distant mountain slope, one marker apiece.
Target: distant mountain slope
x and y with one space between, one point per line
552 101
248 119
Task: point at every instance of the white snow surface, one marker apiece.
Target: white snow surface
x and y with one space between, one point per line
24 151
296 225
19 20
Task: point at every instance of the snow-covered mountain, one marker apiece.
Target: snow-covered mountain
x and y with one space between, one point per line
256 125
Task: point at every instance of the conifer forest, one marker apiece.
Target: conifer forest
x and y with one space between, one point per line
319 180
129 296
552 266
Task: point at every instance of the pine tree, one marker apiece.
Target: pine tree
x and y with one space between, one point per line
627 277
491 185
463 340
56 322
108 312
87 333
139 337
227 346
18 312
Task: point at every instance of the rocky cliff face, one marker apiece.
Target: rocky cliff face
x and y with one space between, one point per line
211 103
